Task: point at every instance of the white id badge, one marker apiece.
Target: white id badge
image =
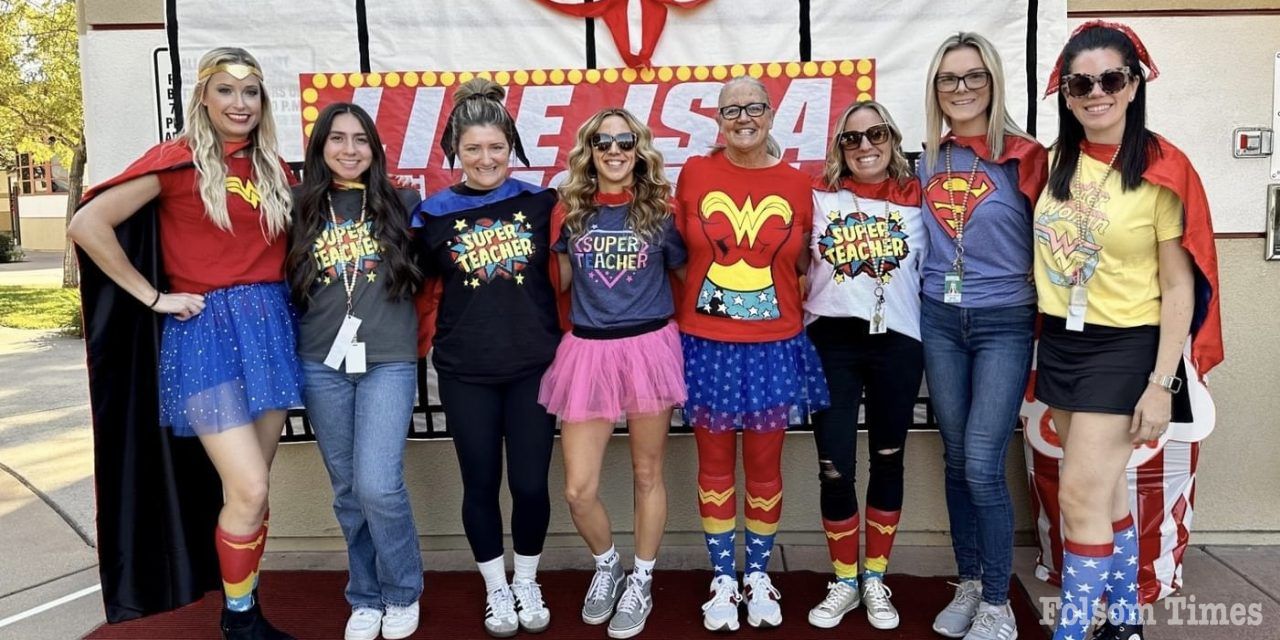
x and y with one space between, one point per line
342 342
355 358
952 287
1077 305
877 324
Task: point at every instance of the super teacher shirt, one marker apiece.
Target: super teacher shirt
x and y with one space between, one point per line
497 316
389 328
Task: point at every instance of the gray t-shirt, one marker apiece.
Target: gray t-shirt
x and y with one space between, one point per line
389 328
619 279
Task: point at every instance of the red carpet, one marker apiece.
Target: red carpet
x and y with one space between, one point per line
309 604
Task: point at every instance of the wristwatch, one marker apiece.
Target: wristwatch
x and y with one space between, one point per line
1172 384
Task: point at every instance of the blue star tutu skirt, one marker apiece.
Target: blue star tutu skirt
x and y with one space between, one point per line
230 363
757 386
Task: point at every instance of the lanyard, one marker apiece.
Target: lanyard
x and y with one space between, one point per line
877 264
349 273
958 213
1081 213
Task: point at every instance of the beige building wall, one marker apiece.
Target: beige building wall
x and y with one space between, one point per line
1208 89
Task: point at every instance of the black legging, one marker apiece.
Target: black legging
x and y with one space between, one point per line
481 417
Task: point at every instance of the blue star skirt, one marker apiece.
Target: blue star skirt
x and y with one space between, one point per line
230 363
760 386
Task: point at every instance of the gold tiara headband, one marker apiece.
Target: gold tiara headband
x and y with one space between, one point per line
237 70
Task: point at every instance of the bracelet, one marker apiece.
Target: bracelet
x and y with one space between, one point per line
153 302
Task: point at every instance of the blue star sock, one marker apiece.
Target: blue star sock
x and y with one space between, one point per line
720 550
1123 604
1085 570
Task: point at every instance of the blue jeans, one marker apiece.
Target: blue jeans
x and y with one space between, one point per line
361 421
977 362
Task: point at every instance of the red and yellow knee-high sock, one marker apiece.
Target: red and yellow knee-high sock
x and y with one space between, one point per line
762 461
716 503
882 526
238 557
842 544
262 549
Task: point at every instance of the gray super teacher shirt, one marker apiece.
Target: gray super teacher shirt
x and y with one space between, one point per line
389 328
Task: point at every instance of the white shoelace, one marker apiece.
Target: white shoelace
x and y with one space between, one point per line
500 604
600 585
984 622
632 598
876 595
762 587
837 593
964 595
529 595
726 593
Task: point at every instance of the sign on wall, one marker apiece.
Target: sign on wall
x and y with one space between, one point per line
678 103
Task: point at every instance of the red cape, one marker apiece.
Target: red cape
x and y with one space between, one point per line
1033 160
907 192
1171 169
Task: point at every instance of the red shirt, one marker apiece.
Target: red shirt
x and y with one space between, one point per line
200 257
746 231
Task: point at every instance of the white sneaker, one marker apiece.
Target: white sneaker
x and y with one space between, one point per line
841 599
500 619
399 622
533 612
880 611
364 624
763 609
720 613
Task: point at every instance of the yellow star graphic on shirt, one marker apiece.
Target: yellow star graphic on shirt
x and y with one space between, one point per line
518 217
371 276
474 283
326 280
519 278
833 215
460 225
839 277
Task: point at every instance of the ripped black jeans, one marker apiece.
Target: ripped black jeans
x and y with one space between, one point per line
889 368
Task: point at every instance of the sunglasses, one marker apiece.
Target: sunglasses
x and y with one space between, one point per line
875 134
732 111
1079 85
603 141
973 81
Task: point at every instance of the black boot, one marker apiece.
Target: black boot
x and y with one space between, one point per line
1105 631
1128 632
249 625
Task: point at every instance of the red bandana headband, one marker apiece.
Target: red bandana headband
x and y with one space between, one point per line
1144 57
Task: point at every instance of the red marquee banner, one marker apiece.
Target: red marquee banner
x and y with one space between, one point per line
678 103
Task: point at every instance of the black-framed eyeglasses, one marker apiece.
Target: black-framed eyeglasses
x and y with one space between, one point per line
875 134
1079 85
603 141
949 83
732 111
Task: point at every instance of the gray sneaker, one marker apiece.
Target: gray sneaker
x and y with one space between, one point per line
633 609
993 623
605 589
954 620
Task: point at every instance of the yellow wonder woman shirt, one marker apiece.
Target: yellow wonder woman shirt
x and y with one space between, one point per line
1116 256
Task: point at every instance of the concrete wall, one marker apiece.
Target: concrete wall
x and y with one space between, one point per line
1207 89
44 221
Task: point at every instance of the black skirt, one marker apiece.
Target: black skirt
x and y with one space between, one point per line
1101 369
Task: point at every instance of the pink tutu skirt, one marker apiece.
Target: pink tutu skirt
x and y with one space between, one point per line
611 379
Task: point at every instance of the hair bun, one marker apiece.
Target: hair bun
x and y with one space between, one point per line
479 88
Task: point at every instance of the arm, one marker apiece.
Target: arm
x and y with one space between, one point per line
93 229
1177 284
566 271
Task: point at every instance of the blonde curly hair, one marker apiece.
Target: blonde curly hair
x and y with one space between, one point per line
651 191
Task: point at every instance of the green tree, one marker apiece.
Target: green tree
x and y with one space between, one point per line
41 111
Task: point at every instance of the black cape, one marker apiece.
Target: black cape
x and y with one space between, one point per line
158 496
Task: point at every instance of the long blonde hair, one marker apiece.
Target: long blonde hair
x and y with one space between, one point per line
835 168
650 205
999 122
207 154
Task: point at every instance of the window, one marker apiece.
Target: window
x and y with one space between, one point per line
34 178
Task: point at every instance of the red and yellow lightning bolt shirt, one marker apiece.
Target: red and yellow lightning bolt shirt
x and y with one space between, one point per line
746 231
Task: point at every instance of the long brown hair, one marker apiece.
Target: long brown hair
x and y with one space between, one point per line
899 167
651 191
